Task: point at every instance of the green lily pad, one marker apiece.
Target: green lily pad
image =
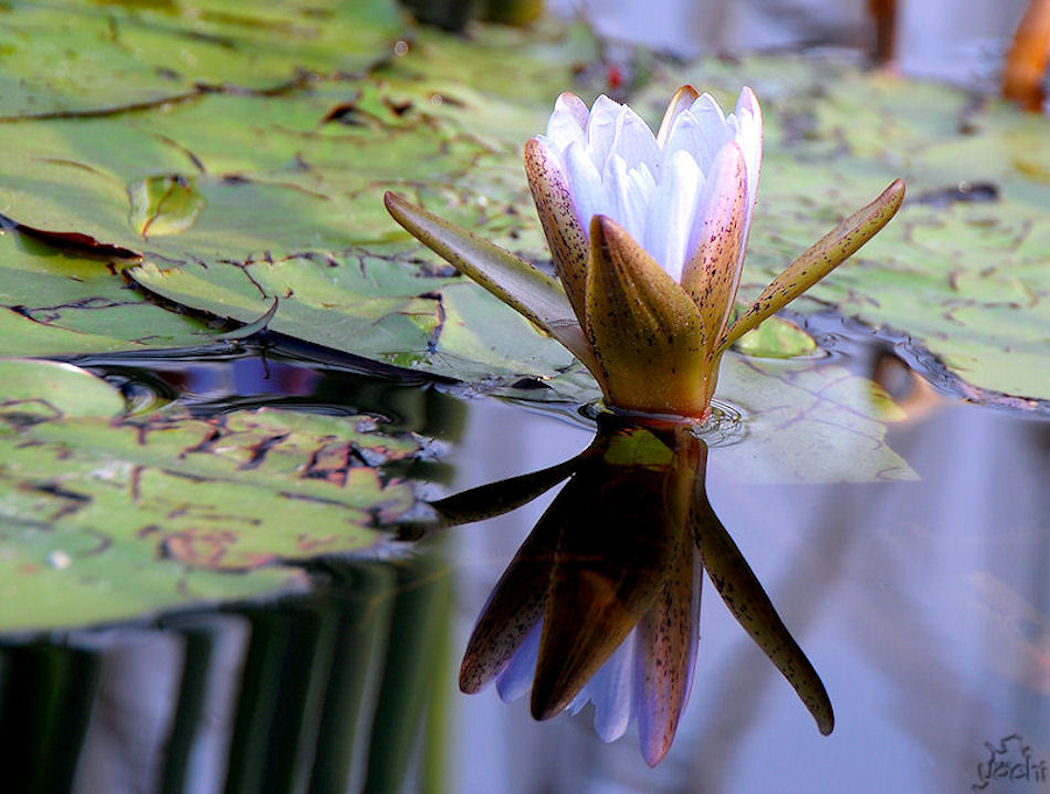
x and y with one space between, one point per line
104 517
59 303
164 205
74 58
48 389
776 338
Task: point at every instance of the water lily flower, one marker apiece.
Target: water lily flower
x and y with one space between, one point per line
647 234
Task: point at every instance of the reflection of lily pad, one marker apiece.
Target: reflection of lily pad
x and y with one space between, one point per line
809 424
103 518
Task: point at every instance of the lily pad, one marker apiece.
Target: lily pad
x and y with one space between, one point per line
49 389
54 302
776 338
68 58
104 517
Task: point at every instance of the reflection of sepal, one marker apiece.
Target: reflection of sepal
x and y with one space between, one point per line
609 563
602 600
747 600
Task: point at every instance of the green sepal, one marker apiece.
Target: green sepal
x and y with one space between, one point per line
645 330
821 258
514 281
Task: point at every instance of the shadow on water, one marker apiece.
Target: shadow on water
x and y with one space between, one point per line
924 606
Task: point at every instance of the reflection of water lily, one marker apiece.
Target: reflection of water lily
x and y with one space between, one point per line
647 233
601 602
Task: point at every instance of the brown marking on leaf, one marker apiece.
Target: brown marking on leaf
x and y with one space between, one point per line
439 327
203 548
205 445
259 451
330 463
103 545
135 484
308 544
69 501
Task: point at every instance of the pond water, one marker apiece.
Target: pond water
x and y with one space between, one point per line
924 606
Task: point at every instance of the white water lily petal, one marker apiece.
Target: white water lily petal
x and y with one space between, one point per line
685 96
568 122
700 138
601 130
671 220
585 182
748 115
606 689
652 186
634 141
707 111
611 689
629 194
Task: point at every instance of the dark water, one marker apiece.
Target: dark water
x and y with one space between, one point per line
924 606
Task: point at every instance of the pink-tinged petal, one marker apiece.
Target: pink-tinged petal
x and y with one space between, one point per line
685 96
748 115
665 655
712 274
672 214
821 258
568 122
668 635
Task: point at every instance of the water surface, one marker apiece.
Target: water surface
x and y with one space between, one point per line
924 606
